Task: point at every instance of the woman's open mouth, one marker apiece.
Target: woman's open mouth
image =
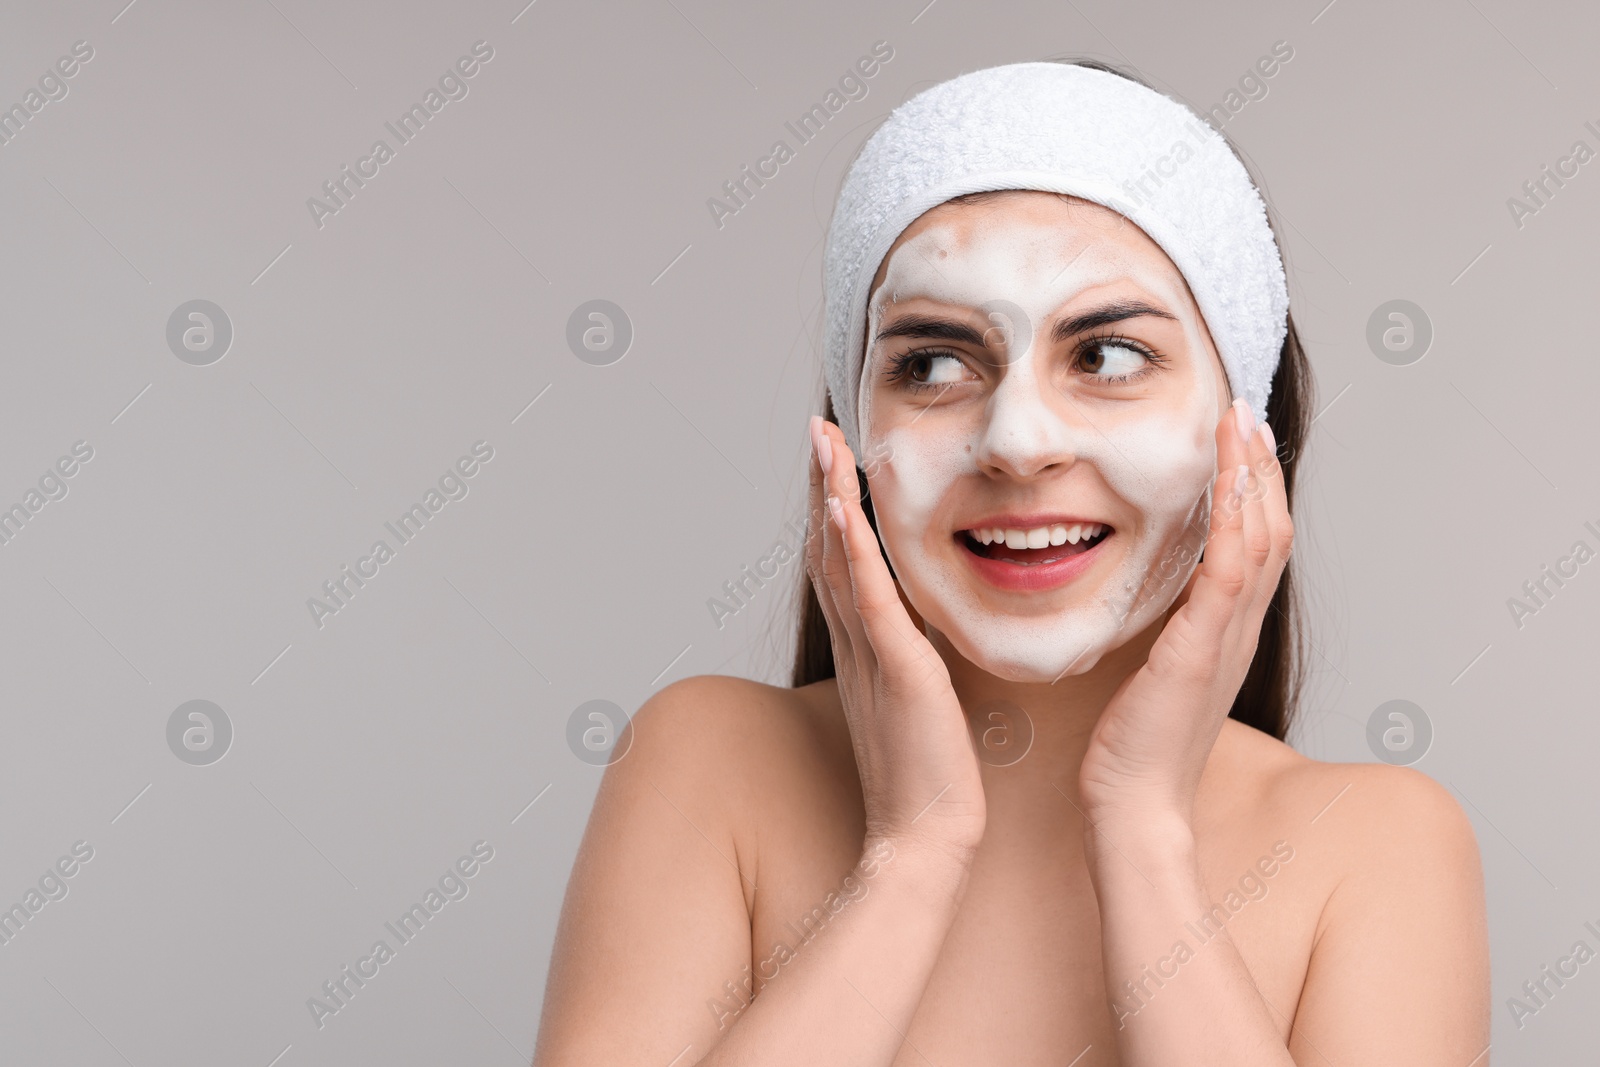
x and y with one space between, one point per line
1034 557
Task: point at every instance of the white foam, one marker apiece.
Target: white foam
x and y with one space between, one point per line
1156 453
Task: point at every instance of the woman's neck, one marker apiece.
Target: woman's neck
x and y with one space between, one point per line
1031 736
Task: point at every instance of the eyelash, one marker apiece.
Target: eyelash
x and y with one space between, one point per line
899 365
1153 359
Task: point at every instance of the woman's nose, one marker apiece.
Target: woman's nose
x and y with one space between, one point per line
1030 428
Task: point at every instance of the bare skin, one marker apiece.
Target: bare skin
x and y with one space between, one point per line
895 899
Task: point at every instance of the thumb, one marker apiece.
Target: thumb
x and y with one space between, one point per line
916 616
1188 587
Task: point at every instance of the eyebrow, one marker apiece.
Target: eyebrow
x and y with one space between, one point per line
928 326
951 330
1104 315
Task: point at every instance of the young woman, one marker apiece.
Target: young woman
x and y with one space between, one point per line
1029 799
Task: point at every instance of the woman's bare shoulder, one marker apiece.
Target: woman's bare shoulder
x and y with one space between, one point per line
768 765
724 714
662 897
1388 867
746 738
1363 816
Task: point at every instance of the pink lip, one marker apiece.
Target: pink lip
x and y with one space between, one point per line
1018 577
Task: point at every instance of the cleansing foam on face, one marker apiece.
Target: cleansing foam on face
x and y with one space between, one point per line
1142 462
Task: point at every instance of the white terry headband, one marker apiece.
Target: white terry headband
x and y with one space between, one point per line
1062 128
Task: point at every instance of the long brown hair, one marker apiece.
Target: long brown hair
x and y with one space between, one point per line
1270 695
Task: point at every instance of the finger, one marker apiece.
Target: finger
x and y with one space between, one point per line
1279 522
875 598
1233 435
1256 550
1242 443
1267 527
1257 535
817 530
814 510
1222 579
835 561
1233 432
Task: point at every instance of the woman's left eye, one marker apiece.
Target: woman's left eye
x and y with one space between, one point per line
1115 359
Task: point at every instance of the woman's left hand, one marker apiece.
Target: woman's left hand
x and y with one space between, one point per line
1152 741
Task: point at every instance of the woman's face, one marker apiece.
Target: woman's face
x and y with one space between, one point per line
1036 370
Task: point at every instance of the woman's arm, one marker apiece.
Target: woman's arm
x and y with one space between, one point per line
654 950
657 922
847 997
1398 972
1173 998
1400 968
1142 771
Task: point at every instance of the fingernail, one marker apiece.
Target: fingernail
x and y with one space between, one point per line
825 453
1240 473
1244 418
1266 435
837 510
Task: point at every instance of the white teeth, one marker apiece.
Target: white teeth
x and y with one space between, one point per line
1039 536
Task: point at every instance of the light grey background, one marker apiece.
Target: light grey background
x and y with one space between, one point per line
370 353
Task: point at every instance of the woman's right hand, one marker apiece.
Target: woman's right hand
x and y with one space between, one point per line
919 772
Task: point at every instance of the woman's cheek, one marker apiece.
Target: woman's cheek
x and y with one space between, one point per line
913 473
1161 465
1182 520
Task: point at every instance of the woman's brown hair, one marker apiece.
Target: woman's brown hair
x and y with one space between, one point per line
1270 695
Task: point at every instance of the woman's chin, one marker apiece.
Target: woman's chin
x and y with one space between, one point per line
1022 654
